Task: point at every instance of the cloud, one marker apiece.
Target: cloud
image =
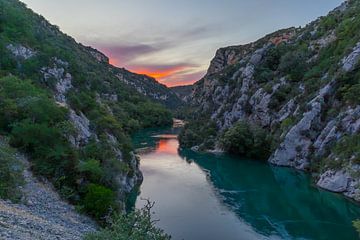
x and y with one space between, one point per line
124 53
173 47
180 78
167 73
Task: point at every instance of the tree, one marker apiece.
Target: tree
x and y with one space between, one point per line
99 201
247 140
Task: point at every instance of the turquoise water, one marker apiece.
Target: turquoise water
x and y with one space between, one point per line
205 196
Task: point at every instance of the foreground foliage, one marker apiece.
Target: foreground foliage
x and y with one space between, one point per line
136 225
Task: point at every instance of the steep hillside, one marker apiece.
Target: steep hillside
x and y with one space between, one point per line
71 112
37 212
150 88
183 92
291 97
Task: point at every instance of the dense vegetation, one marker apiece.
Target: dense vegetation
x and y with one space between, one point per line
247 140
39 127
85 174
11 168
196 132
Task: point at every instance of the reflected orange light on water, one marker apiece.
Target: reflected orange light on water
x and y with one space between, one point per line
169 146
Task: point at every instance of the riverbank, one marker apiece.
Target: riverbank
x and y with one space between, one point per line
199 195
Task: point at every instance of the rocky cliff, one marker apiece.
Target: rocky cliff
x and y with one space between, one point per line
299 84
183 92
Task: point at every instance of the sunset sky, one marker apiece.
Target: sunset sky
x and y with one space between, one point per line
170 40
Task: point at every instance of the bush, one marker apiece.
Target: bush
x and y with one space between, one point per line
280 96
99 201
348 148
51 155
356 225
92 170
197 132
11 177
247 140
351 94
294 64
136 225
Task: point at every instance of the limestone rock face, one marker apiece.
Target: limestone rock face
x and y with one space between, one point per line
306 115
341 181
20 51
63 79
334 181
294 150
127 182
82 126
352 59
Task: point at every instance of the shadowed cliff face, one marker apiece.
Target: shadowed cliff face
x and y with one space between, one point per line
298 84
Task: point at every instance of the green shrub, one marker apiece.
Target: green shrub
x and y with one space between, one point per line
247 140
343 151
197 132
92 169
137 225
351 94
294 65
348 148
280 96
356 225
99 201
287 123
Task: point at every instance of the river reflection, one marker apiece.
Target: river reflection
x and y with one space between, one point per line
204 196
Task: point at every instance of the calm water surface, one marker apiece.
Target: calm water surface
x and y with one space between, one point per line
203 196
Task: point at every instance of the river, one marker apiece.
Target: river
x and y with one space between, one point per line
200 196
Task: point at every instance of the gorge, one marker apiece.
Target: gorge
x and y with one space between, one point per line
269 145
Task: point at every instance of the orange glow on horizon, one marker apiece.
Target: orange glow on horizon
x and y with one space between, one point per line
159 75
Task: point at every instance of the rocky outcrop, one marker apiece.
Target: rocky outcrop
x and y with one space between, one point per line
334 181
342 181
347 122
294 151
352 59
82 127
19 51
99 56
62 79
41 214
63 83
129 180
